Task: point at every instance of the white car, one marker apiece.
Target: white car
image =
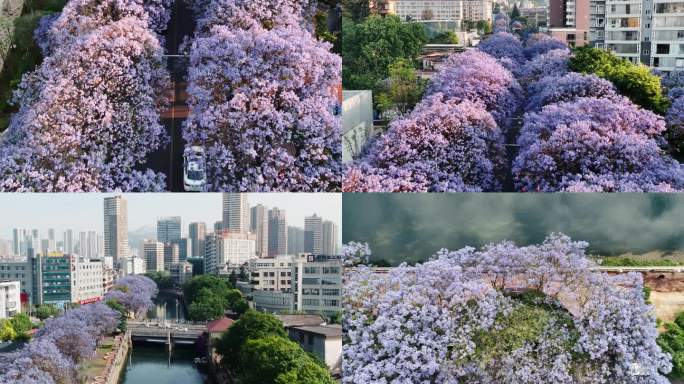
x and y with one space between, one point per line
194 174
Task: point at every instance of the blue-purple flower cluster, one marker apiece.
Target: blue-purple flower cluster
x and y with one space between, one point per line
89 114
425 323
262 92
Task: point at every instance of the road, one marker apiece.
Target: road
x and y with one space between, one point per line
169 160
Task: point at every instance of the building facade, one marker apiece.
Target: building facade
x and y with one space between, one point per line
295 240
197 233
154 256
329 238
235 212
171 255
313 234
277 232
476 10
10 299
418 10
116 228
169 229
271 274
259 227
317 284
226 250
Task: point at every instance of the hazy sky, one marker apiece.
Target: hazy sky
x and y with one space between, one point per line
84 211
412 227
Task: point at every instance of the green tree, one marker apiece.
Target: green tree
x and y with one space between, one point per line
356 10
162 278
251 325
213 282
207 305
634 81
46 310
672 342
447 37
484 26
6 330
115 305
278 360
515 13
21 323
368 49
403 90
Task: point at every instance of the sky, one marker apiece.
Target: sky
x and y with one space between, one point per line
412 227
84 211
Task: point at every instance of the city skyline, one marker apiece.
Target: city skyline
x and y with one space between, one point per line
83 212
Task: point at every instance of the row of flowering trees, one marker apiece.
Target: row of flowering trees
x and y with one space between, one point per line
578 133
501 314
262 94
54 355
89 114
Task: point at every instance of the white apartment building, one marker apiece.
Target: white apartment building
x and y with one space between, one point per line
226 250
10 299
421 10
86 281
134 266
116 228
259 227
317 284
667 35
624 28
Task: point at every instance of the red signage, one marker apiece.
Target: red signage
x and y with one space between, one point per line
90 300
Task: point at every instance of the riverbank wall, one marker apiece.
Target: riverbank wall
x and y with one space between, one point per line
114 370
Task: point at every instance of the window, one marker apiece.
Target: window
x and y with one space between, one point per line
663 49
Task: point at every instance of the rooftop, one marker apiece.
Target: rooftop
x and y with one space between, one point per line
325 330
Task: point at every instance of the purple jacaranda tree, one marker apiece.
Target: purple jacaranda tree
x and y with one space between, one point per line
475 76
354 253
89 115
539 44
416 177
503 45
71 336
424 323
248 14
593 140
501 22
552 63
45 356
569 87
262 105
135 293
450 137
19 369
99 318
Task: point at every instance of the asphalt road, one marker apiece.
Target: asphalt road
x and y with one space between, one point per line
169 160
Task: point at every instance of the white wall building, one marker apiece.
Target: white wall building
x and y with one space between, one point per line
272 274
227 250
357 122
86 280
324 341
317 285
476 10
10 299
427 10
154 256
116 228
236 212
135 266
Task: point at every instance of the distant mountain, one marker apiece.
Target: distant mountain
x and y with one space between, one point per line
136 237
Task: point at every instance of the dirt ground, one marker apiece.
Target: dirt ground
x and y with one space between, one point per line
667 304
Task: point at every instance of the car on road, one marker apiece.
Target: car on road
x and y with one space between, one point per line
194 169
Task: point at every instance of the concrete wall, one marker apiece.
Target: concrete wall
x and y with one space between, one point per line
9 10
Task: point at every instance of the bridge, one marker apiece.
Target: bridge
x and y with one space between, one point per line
169 333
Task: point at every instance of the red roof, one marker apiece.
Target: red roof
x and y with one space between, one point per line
220 325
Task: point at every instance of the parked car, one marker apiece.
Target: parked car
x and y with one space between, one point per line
194 169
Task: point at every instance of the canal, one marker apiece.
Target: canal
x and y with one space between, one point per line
152 363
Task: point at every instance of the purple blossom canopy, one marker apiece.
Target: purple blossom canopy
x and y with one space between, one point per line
423 323
134 292
503 45
572 86
539 44
552 63
248 14
262 105
477 77
592 142
449 137
89 115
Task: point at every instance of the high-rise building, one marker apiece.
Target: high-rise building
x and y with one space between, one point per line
116 228
329 238
153 252
197 233
570 21
317 284
69 241
218 226
313 234
91 246
171 255
169 229
183 249
277 232
259 221
295 240
83 244
67 278
235 212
